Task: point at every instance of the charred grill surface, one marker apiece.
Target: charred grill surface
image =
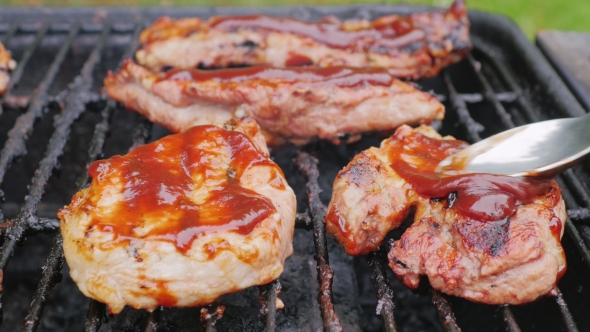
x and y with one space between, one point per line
54 122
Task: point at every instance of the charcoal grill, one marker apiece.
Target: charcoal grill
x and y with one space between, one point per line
55 121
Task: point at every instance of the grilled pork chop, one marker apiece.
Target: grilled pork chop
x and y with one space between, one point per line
487 238
294 104
413 46
6 64
181 221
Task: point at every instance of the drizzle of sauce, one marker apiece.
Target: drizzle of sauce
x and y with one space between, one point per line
561 272
300 77
159 179
296 59
389 33
481 197
555 226
158 290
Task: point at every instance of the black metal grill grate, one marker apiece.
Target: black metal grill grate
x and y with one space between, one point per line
498 91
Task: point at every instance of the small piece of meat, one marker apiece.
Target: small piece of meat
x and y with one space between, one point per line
293 104
181 221
487 238
6 64
413 46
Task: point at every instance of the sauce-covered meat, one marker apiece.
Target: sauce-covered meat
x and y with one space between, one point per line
413 46
330 77
159 178
295 105
484 197
387 34
488 238
181 221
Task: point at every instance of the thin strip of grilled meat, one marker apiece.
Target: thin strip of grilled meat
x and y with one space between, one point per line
413 46
294 104
487 238
6 64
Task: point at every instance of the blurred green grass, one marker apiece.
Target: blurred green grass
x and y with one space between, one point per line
530 15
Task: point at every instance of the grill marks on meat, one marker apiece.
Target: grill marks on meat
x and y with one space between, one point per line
413 46
181 221
6 64
290 104
494 258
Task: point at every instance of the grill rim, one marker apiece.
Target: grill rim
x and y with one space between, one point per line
540 70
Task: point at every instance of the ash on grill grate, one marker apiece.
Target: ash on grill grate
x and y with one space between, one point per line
61 66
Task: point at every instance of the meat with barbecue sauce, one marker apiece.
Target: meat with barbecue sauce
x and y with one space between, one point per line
488 238
180 221
413 46
290 104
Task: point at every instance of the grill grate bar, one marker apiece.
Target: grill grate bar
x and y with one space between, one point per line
577 187
153 320
445 312
509 319
308 166
572 231
97 142
76 105
489 93
9 33
268 302
565 312
51 276
579 214
34 225
95 316
385 305
473 128
472 98
210 315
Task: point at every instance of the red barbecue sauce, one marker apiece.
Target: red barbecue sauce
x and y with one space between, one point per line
481 197
158 178
158 290
389 32
555 226
307 76
296 59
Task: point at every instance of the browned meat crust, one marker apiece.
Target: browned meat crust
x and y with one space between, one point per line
6 64
413 46
513 260
288 104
